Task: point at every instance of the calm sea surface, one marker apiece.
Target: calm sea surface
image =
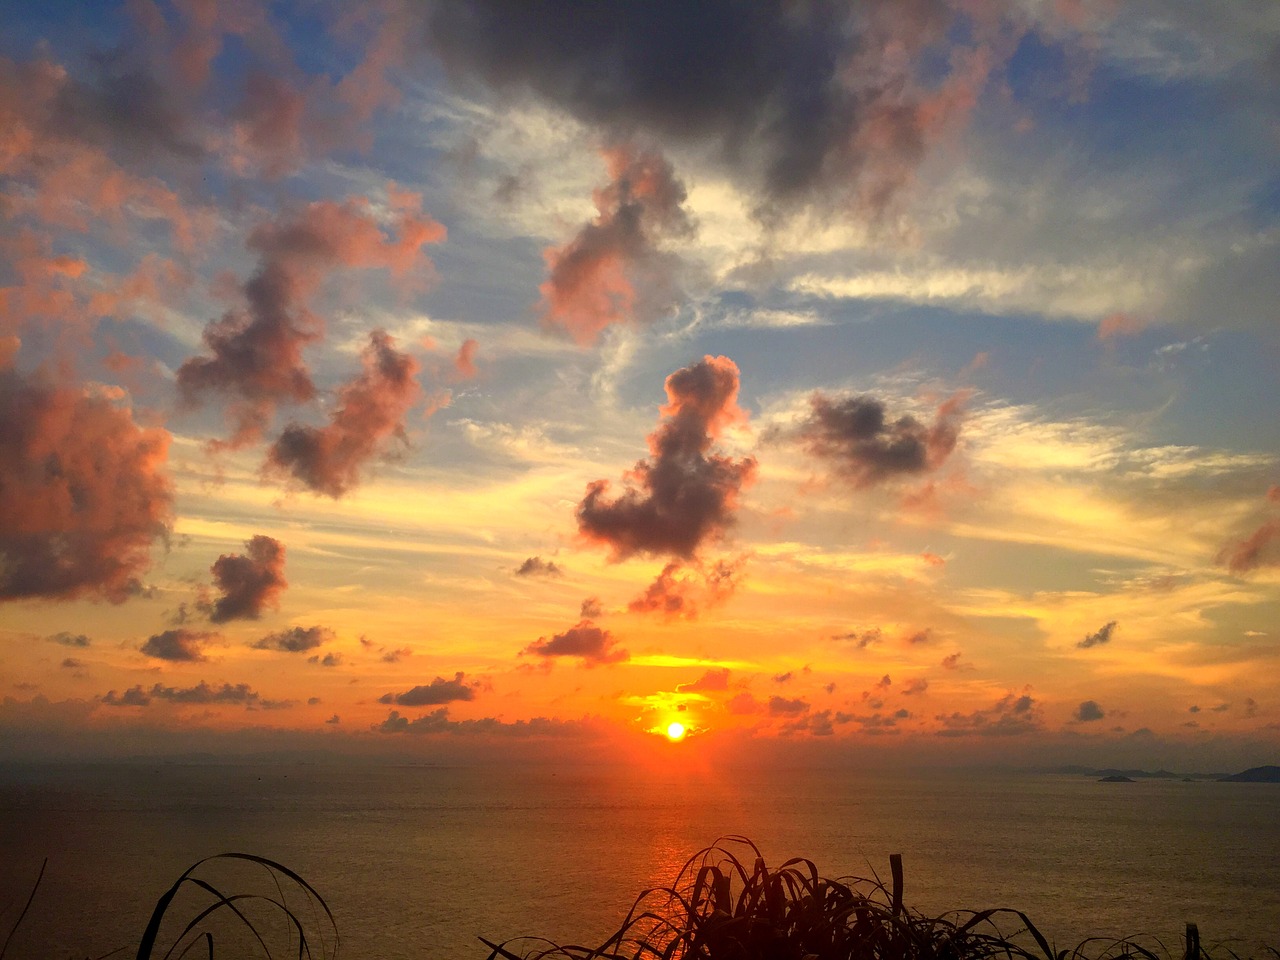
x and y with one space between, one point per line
417 861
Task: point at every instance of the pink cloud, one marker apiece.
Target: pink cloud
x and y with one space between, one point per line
255 352
83 493
370 412
591 285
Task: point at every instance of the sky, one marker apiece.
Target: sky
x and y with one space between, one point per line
876 382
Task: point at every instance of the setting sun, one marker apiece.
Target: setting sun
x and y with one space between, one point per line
675 731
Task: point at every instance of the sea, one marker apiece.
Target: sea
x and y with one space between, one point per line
422 861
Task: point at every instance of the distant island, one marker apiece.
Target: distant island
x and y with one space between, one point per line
1254 775
1107 772
1265 774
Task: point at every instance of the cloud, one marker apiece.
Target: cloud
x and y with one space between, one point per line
295 639
918 685
712 680
584 640
1088 711
784 707
860 639
83 493
682 495
666 595
678 589
70 639
867 448
370 411
179 644
591 609
611 272
249 582
1098 637
744 703
1010 716
437 721
255 351
328 660
822 99
537 567
202 693
436 692
71 663
135 696
464 363
1255 550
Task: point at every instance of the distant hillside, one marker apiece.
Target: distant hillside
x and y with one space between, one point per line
1255 775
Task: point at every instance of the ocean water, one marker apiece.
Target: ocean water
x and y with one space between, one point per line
419 861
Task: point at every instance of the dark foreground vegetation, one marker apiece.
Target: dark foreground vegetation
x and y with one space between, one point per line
726 904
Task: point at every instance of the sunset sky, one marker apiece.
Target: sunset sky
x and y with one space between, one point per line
878 379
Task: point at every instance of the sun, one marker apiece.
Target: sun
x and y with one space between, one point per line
675 731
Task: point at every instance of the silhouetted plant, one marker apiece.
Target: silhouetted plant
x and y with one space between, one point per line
719 909
236 919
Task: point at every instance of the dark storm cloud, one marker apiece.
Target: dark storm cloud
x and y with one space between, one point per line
295 639
83 492
866 447
436 692
248 582
585 640
370 413
179 644
796 98
682 495
1098 637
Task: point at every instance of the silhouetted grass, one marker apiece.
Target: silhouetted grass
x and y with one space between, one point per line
721 909
240 919
717 909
